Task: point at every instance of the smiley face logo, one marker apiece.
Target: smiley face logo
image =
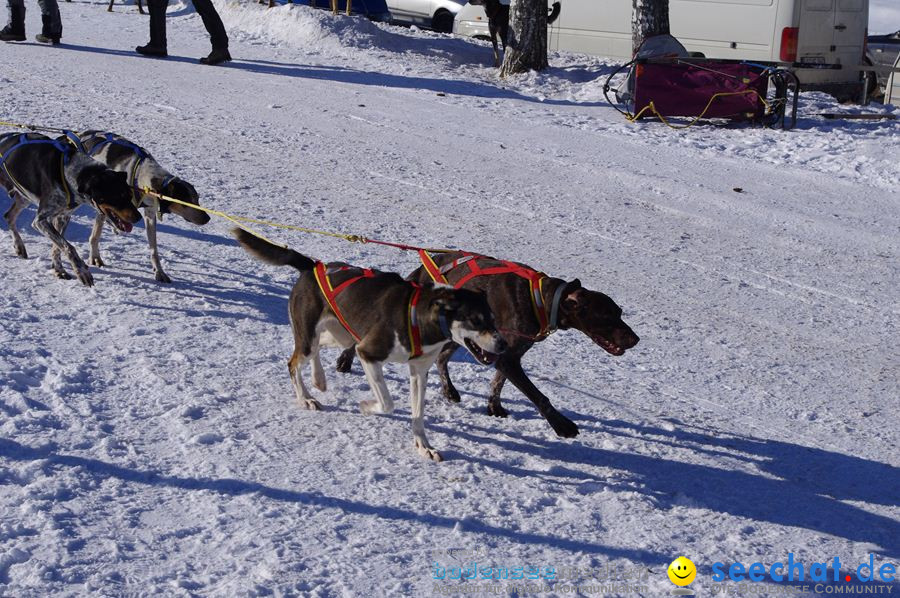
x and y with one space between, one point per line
682 571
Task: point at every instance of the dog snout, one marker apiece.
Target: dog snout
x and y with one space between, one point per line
626 338
500 344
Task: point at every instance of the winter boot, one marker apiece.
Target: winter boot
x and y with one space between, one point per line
15 30
51 32
217 56
157 44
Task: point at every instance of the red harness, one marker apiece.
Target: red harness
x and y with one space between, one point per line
535 281
330 293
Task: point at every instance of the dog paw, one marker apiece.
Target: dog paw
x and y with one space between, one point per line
311 405
162 277
344 362
429 453
86 278
369 407
319 382
97 261
20 251
452 395
564 427
62 275
497 410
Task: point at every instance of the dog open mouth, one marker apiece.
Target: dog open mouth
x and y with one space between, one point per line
609 346
120 224
480 354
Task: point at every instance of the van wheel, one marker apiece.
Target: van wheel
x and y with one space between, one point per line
442 22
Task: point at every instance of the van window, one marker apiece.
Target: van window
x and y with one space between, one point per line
851 5
818 4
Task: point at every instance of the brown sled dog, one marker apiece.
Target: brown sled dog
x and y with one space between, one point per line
386 317
528 306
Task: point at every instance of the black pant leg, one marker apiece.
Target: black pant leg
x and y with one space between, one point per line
157 9
213 24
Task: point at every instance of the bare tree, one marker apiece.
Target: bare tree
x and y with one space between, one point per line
648 18
526 47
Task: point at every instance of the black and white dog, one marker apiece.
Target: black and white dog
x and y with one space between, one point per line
142 171
389 319
57 178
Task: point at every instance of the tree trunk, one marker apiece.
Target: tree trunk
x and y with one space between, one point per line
648 18
526 47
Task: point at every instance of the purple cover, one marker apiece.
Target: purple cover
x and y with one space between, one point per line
684 89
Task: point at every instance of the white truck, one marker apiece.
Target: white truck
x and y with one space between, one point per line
823 32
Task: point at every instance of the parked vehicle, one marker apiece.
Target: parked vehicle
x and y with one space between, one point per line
892 88
882 50
374 10
810 31
433 14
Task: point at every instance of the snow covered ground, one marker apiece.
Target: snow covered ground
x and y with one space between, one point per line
149 440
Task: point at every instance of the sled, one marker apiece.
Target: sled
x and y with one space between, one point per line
666 81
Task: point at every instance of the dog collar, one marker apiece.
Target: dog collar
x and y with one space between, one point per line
553 324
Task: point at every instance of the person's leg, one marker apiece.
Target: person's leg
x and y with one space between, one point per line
157 45
213 24
52 22
15 26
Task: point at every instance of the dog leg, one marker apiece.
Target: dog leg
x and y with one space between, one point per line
11 215
295 368
150 224
42 224
494 407
375 375
109 8
511 366
345 360
418 377
60 223
450 392
318 372
94 240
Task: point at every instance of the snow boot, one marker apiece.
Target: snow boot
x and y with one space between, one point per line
216 57
15 30
52 30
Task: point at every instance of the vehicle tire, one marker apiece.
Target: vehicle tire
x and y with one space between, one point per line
442 22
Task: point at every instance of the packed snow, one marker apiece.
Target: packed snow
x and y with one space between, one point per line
150 442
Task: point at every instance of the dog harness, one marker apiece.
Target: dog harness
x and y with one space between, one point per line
547 322
322 274
142 155
65 154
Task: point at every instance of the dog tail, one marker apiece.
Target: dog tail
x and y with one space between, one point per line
272 254
553 15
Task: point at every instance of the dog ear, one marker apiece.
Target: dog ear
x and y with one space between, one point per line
573 286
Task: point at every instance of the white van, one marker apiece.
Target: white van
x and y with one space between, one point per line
813 31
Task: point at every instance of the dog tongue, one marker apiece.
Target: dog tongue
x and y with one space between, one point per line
127 226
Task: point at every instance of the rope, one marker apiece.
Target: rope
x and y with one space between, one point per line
242 221
652 108
32 127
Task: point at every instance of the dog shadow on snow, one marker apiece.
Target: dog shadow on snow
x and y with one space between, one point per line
799 486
